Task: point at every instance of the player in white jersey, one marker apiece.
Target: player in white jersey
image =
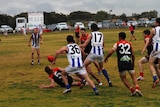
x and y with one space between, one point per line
74 56
96 53
34 41
155 35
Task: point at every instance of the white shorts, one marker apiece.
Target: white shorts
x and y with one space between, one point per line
35 47
155 54
75 70
123 73
93 57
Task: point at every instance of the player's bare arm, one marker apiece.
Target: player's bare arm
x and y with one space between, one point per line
52 84
86 42
108 55
60 51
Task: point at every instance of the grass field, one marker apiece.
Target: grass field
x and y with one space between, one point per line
20 81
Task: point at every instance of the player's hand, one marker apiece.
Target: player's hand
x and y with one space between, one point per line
105 60
42 86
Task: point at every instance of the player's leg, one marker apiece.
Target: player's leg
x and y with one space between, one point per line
126 82
105 73
88 68
32 55
133 76
64 77
98 68
153 71
38 54
140 63
91 83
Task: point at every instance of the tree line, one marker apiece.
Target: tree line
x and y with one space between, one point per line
53 17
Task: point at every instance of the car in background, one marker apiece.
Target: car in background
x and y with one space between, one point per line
80 24
152 21
7 28
62 26
134 23
143 22
99 24
52 27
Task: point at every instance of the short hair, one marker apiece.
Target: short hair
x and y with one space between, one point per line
94 27
48 70
83 29
122 35
146 32
70 38
158 20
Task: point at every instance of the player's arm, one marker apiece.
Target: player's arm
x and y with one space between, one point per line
147 40
41 39
111 52
86 42
52 84
60 51
152 32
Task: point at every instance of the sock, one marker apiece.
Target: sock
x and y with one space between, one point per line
79 83
132 89
106 74
94 89
141 74
154 78
68 86
137 87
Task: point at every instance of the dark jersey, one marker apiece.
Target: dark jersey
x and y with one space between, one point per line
57 76
124 55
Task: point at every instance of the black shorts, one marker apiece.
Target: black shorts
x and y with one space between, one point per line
132 32
70 80
125 66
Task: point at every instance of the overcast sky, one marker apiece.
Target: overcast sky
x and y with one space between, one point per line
14 7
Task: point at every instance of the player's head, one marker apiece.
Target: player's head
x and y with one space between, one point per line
122 35
146 32
35 30
48 70
70 39
158 21
83 31
94 27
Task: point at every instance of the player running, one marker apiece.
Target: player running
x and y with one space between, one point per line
76 66
125 60
155 35
145 59
97 53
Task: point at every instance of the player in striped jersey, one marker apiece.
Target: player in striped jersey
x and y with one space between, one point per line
96 53
76 66
34 41
155 35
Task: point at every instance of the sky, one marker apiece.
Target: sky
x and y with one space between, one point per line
118 7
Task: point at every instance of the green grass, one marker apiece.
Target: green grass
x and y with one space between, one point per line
19 81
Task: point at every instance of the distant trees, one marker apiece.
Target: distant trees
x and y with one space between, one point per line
53 17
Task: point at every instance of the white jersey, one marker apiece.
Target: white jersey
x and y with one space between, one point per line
74 55
156 39
35 40
97 43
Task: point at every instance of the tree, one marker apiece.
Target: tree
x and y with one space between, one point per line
101 15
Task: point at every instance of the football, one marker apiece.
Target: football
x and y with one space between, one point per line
50 58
